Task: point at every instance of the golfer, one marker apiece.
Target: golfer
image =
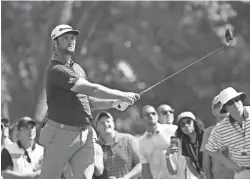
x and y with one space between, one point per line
67 135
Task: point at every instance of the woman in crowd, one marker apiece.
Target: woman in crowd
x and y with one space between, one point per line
190 131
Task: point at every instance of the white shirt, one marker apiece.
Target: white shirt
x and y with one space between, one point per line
152 147
20 163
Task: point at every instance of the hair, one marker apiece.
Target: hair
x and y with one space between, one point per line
198 127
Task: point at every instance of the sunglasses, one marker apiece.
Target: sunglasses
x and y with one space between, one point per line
165 112
183 123
150 113
231 102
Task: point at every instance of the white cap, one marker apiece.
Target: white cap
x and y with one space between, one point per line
61 29
229 94
186 114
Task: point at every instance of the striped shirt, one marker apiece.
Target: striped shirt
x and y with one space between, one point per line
230 135
120 158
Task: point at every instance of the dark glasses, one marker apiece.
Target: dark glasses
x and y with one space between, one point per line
165 112
183 123
4 125
231 102
150 113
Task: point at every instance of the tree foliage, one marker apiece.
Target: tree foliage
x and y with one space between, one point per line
129 46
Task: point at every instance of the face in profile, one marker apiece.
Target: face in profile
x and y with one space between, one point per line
234 106
149 115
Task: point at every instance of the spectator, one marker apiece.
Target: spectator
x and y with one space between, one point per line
120 150
153 147
26 155
5 123
166 114
190 131
213 169
232 132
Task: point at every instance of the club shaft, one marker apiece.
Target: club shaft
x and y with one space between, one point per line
151 87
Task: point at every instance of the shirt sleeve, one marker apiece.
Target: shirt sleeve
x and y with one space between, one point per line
134 145
63 77
143 156
215 140
6 160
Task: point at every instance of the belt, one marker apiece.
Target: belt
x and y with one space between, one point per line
68 127
245 168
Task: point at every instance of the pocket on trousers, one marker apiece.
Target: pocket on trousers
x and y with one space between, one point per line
47 135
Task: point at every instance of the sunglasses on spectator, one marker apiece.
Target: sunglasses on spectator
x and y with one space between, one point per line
231 102
165 112
150 113
183 123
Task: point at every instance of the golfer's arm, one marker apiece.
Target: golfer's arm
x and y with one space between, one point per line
207 165
8 174
97 103
191 167
95 90
171 166
146 174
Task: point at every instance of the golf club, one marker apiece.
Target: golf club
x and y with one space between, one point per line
228 38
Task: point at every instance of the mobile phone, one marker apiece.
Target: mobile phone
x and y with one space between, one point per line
174 142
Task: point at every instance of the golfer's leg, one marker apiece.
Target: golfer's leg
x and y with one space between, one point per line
57 151
82 162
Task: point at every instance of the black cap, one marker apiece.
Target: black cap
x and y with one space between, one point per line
25 120
5 120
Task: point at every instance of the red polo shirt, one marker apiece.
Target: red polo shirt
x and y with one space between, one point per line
64 105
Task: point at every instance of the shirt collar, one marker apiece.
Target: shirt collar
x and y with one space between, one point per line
56 57
157 131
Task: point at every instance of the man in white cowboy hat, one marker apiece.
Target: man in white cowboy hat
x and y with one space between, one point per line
232 132
67 134
212 168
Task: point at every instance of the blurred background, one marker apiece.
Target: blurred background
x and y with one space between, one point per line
129 46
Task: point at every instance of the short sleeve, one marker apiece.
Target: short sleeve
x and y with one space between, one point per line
215 140
6 160
143 157
62 76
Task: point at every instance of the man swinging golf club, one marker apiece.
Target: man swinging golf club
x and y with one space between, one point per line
67 135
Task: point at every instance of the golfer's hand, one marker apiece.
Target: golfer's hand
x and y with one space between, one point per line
130 96
128 99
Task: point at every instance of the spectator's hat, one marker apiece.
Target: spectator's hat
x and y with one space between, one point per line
186 114
229 94
61 29
24 121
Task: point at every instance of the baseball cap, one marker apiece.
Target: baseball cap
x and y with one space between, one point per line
5 120
186 114
24 121
61 29
102 114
